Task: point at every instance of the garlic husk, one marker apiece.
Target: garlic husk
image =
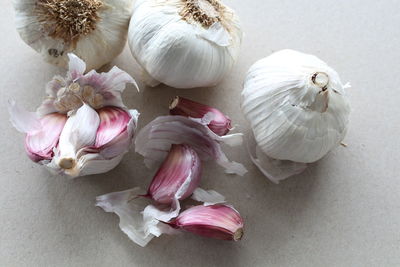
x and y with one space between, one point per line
82 127
179 49
208 197
139 228
296 105
154 141
95 30
276 170
214 221
219 124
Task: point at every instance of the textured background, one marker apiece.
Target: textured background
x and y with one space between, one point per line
343 211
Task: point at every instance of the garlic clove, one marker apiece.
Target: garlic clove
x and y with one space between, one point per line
155 140
40 144
79 131
42 134
113 121
178 176
219 123
215 221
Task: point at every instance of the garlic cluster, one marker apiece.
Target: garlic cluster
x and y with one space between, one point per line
82 127
180 143
298 110
177 179
94 30
184 43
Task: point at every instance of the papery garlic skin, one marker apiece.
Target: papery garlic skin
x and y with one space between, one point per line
154 141
219 123
82 127
95 30
296 105
215 221
184 43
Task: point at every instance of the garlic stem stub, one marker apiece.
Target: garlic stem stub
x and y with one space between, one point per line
82 127
298 110
94 30
184 43
219 123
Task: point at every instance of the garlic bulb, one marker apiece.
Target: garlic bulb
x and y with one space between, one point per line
94 30
82 127
184 43
297 107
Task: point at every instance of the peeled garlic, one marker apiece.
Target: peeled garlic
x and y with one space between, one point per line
298 110
95 30
184 43
82 127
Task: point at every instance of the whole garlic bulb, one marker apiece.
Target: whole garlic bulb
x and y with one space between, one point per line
184 43
297 106
94 30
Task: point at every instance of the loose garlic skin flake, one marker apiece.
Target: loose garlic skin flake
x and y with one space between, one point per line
296 105
184 43
94 30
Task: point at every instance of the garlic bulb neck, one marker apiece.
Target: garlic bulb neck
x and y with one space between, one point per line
320 79
204 12
320 104
68 19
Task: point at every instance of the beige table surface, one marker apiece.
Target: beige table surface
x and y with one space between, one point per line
342 211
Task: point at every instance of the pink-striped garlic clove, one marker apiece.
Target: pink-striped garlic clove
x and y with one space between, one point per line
220 123
178 176
215 221
113 123
39 145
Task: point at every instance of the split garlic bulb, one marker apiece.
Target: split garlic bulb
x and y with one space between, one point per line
94 30
184 43
296 105
82 127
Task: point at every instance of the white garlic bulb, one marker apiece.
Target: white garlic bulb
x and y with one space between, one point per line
184 43
94 30
296 105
